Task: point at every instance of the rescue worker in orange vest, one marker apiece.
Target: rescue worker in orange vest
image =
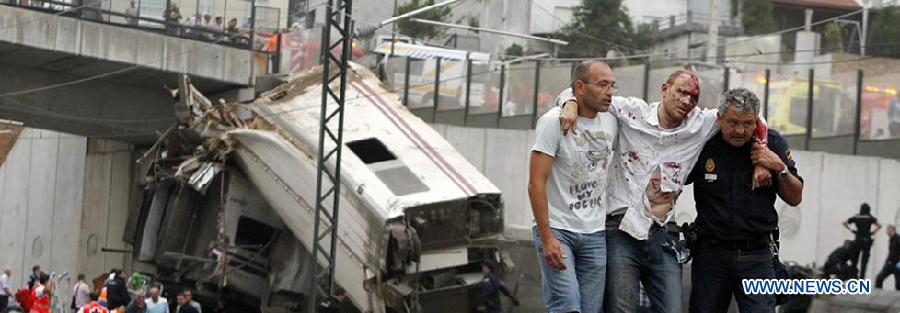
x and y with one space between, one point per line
41 294
272 42
102 299
94 306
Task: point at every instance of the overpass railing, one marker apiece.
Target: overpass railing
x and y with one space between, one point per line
224 22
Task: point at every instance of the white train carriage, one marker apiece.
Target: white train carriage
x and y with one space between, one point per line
411 207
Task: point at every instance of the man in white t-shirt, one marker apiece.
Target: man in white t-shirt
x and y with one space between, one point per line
567 189
5 292
155 303
81 292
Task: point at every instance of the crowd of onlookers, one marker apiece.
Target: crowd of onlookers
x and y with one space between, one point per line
199 25
203 25
115 292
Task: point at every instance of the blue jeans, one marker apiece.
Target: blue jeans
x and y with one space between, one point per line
716 275
632 261
578 288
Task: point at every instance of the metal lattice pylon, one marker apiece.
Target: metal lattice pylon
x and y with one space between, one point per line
335 66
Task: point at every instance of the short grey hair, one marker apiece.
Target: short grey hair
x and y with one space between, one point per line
741 99
581 70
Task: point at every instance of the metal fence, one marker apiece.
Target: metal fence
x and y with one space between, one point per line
237 23
848 113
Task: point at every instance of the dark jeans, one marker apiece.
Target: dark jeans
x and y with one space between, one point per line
861 248
716 275
4 301
631 261
890 268
492 305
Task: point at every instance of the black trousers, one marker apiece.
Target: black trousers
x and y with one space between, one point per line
861 249
4 301
717 275
890 268
839 270
492 304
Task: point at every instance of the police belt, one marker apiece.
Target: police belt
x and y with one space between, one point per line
747 244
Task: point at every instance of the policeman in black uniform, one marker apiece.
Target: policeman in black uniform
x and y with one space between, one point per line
838 263
890 265
735 223
862 241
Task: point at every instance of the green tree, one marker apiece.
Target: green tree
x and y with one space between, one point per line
833 39
420 30
758 17
473 22
884 29
603 25
515 50
644 36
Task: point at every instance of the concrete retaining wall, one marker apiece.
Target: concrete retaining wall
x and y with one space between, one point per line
41 203
107 187
40 184
61 201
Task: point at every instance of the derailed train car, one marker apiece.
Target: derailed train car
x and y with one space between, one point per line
229 203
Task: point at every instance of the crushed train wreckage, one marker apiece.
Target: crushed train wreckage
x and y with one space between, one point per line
229 203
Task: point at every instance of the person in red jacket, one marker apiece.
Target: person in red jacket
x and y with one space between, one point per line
40 295
93 306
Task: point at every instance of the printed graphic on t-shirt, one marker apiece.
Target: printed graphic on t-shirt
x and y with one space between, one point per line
593 153
589 164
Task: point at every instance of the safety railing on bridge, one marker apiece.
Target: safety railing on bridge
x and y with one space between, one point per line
235 23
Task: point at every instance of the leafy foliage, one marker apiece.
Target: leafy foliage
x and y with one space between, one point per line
884 31
758 17
603 25
419 30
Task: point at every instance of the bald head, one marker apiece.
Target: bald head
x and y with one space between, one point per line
593 85
584 70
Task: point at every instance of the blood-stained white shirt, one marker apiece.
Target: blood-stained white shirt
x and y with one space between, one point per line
644 147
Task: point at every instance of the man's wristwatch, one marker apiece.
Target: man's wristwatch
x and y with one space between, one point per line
783 174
